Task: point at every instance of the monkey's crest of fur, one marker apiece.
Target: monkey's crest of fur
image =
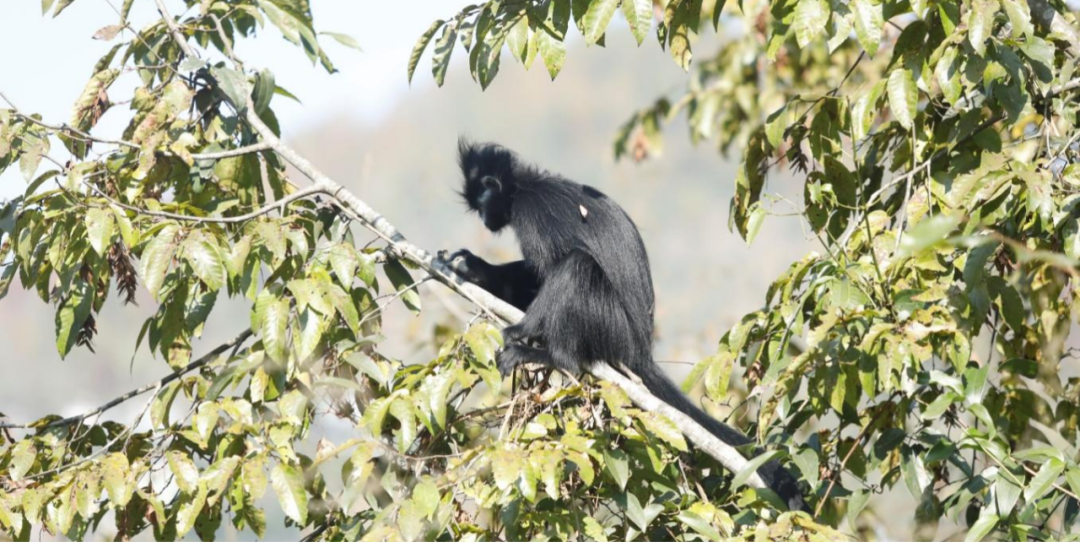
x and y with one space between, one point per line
584 282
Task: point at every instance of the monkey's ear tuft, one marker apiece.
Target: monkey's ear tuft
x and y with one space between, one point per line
466 152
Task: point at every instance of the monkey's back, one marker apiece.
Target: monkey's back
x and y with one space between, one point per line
554 217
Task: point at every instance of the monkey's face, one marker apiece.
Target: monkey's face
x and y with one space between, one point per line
491 200
489 182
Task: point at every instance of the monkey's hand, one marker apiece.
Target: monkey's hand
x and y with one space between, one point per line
471 267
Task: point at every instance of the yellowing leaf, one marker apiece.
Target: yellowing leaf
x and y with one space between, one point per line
204 255
811 19
595 21
639 15
116 475
869 21
272 316
185 474
288 483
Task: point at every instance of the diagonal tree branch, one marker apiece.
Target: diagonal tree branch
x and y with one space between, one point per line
727 455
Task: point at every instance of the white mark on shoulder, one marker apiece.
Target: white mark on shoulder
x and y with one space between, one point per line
584 211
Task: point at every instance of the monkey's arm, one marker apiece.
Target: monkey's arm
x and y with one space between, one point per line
515 283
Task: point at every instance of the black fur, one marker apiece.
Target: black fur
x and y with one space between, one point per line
584 283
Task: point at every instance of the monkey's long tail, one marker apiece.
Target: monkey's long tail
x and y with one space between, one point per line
772 473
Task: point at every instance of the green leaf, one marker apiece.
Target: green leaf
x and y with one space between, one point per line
72 315
375 413
552 50
440 58
205 420
593 529
981 23
344 39
426 496
234 84
751 467
157 257
662 427
264 90
485 57
856 504
421 45
1020 17
947 73
1072 476
700 525
926 233
864 111
272 315
776 124
344 261
61 6
23 456
185 474
617 465
596 19
402 409
116 478
128 233
159 409
288 483
293 407
506 467
811 19
681 18
34 148
517 38
312 327
939 406
982 527
639 15
1043 480
868 24
253 477
203 254
916 476
404 284
903 97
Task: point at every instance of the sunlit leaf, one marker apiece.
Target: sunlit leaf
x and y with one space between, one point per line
288 483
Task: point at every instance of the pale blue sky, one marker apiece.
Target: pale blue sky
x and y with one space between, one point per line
45 61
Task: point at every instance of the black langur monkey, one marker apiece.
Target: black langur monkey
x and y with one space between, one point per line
584 284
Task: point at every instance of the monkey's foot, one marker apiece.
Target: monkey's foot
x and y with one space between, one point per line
513 355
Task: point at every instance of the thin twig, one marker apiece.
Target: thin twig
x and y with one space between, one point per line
174 30
86 136
298 195
210 356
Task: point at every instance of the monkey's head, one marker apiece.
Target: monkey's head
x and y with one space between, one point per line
489 181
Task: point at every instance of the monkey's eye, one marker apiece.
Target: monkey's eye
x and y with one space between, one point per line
491 183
